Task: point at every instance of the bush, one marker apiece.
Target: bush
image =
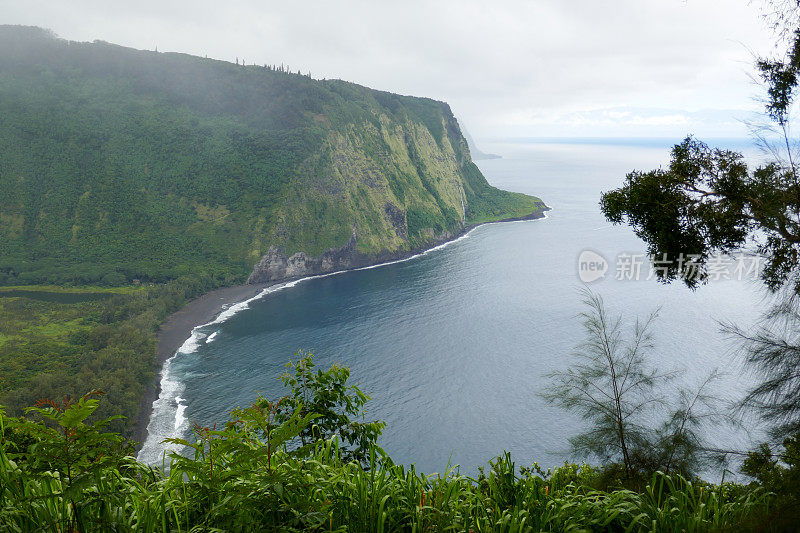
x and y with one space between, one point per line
250 475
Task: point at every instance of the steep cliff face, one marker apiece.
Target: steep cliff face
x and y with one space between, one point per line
390 189
118 164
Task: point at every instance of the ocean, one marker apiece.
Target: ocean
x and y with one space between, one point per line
454 345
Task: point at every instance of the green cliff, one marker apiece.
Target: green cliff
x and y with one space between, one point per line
119 164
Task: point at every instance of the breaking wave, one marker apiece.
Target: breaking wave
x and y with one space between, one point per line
168 417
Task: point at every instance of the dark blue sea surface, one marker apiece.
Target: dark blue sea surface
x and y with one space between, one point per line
454 345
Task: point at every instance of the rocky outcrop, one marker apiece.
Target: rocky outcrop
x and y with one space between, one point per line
276 266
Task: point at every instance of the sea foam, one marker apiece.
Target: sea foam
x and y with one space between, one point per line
168 418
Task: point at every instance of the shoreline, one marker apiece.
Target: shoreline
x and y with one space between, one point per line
176 329
179 325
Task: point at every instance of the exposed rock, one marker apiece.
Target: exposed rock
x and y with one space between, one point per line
398 219
276 266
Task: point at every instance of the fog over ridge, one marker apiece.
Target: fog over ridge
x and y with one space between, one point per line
509 68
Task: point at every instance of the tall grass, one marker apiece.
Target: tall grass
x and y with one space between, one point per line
225 486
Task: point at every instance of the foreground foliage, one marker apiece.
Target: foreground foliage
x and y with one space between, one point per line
707 202
615 385
778 471
248 476
337 407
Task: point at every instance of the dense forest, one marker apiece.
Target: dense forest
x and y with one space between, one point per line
119 164
132 181
55 340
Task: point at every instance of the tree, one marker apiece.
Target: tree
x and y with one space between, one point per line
707 202
773 351
778 473
614 387
609 386
68 444
339 407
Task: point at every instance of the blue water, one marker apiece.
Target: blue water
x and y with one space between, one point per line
454 345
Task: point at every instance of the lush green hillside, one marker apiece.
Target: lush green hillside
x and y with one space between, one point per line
119 164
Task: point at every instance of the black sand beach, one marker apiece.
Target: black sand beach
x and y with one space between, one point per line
178 327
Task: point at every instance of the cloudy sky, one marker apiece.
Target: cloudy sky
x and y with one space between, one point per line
508 68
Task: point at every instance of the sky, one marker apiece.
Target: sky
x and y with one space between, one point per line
508 68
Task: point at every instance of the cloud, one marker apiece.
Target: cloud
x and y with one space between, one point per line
494 62
631 122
